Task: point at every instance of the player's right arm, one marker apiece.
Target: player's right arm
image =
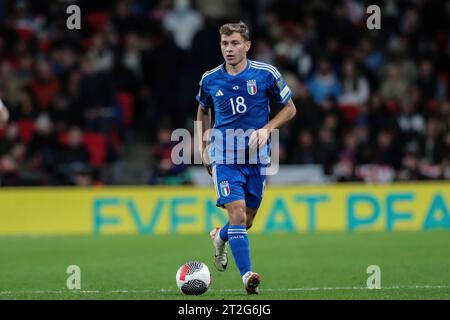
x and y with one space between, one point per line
4 115
203 124
204 121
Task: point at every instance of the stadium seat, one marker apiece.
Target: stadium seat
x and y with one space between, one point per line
115 139
63 138
350 112
44 45
96 20
432 105
126 103
96 144
26 130
25 33
392 106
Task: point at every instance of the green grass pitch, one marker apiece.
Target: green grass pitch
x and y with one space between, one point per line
414 265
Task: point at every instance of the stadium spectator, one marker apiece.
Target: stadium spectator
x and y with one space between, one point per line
163 170
100 55
44 85
345 171
349 150
409 169
44 148
324 82
426 80
410 122
73 157
386 151
395 82
355 87
305 152
184 22
263 51
327 149
10 138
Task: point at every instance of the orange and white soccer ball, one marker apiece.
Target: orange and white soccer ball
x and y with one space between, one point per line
193 278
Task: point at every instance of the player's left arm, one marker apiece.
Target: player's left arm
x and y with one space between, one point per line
286 113
260 137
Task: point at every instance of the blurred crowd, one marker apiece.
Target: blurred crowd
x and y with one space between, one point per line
373 105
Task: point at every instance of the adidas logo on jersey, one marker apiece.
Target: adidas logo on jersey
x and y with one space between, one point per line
219 93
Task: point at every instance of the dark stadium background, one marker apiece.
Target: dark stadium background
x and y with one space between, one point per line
96 106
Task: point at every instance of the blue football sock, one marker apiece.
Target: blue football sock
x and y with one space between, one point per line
238 240
224 232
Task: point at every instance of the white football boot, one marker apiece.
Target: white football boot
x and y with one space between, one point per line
251 282
220 250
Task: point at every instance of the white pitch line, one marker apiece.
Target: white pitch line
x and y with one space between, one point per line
223 290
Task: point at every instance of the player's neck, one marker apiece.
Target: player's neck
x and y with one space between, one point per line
238 68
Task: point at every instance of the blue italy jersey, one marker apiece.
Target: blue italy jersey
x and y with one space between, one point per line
241 102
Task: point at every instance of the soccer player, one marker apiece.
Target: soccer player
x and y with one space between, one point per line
239 92
4 115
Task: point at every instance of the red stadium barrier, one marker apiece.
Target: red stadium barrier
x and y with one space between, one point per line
126 103
97 19
25 33
26 130
350 112
96 145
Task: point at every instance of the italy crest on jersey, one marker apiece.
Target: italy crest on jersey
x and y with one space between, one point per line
224 188
252 89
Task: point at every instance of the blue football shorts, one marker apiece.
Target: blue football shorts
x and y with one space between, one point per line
239 182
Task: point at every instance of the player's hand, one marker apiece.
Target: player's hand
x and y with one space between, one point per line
206 162
258 138
208 168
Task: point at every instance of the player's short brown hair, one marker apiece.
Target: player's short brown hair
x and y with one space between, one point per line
240 27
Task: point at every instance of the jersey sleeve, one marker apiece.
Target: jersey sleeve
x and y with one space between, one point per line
1 104
278 89
203 96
